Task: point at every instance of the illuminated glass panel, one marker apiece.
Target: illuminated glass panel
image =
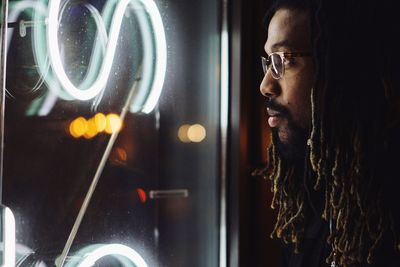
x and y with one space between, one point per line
111 132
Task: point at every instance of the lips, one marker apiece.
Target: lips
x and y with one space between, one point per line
274 117
272 112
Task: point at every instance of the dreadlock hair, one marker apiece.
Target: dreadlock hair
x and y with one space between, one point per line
353 135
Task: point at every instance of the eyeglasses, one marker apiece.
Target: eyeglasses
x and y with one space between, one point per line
276 62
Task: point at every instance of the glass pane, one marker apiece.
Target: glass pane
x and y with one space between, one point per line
94 160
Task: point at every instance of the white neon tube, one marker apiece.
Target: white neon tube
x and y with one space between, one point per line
100 82
17 8
55 58
161 56
88 256
84 91
9 238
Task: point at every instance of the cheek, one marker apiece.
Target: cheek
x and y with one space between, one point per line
299 102
305 106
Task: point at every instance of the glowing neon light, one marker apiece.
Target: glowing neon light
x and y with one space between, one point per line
88 256
17 8
100 82
9 237
154 55
161 50
43 62
55 57
149 93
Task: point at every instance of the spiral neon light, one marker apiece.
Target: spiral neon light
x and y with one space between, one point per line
100 82
55 58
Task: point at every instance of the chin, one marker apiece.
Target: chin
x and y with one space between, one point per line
284 137
291 144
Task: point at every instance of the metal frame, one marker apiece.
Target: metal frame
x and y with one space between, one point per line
224 117
3 68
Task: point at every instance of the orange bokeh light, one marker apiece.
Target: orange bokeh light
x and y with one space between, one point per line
100 121
78 127
91 129
113 123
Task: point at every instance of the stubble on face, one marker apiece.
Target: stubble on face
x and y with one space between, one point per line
290 96
290 139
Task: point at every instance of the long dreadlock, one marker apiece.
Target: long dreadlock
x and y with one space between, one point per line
354 121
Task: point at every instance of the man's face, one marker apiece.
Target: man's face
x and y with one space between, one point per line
288 98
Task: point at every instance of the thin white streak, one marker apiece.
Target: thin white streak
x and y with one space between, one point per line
3 67
95 180
224 134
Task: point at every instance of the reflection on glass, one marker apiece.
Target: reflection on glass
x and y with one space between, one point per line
47 60
109 169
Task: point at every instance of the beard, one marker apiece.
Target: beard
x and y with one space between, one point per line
293 148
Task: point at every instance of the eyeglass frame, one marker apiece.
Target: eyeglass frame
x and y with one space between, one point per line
283 56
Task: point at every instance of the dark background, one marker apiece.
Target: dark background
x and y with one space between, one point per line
251 244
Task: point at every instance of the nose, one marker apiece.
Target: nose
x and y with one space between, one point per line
269 86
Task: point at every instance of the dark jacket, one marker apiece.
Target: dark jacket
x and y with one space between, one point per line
314 249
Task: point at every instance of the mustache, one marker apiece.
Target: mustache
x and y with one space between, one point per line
284 112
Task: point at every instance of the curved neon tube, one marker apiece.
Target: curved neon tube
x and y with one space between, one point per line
149 99
100 82
88 256
55 58
17 9
161 56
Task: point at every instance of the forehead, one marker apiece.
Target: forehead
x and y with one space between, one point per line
289 30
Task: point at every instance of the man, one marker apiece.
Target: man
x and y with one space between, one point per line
332 102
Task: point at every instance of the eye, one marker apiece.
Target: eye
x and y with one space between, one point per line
289 61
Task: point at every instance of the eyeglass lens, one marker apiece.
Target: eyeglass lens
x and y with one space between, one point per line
275 62
276 68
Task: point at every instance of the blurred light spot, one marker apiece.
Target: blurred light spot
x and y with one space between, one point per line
196 133
113 123
100 121
91 130
118 156
121 153
78 127
183 133
142 195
